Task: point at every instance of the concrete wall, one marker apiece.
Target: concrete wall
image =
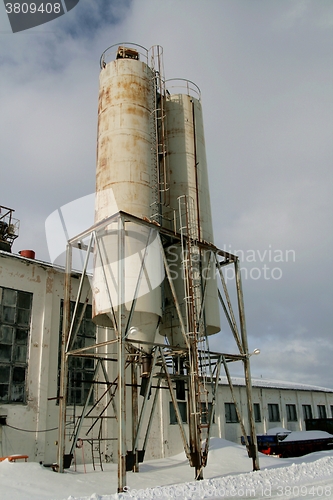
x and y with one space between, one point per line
40 412
272 395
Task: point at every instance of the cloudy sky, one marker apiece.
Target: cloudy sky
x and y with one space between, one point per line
265 72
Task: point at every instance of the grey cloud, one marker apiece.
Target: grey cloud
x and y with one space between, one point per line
264 72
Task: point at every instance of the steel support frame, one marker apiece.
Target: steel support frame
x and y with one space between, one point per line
242 344
121 331
64 362
253 446
121 360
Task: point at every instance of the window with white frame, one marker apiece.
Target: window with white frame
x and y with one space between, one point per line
15 320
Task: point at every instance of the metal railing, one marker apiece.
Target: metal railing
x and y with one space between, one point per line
183 86
110 53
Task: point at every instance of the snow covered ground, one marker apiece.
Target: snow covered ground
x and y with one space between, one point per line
227 475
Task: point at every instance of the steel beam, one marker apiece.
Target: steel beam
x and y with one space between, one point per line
232 316
247 372
121 360
175 405
174 295
64 362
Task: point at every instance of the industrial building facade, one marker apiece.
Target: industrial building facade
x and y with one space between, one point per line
31 305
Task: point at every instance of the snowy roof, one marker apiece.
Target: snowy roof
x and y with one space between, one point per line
307 435
38 262
274 384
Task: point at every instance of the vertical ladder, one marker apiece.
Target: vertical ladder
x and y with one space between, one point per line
160 183
190 262
154 213
191 268
71 421
96 453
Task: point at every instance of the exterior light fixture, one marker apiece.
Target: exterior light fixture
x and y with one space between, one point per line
133 331
255 352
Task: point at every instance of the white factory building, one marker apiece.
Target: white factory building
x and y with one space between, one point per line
31 299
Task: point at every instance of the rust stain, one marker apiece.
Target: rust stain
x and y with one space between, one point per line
36 280
124 88
49 283
33 404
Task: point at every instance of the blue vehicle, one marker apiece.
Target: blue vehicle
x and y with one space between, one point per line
284 443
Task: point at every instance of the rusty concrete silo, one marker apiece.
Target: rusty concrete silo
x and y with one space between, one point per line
125 168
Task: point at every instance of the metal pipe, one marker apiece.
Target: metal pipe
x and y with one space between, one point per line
201 323
232 316
114 319
211 417
121 360
144 404
134 374
247 371
71 340
175 405
151 415
235 334
174 295
196 163
79 427
109 389
239 415
64 362
195 411
83 349
142 267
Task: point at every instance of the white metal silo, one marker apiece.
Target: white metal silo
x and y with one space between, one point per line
188 178
124 182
